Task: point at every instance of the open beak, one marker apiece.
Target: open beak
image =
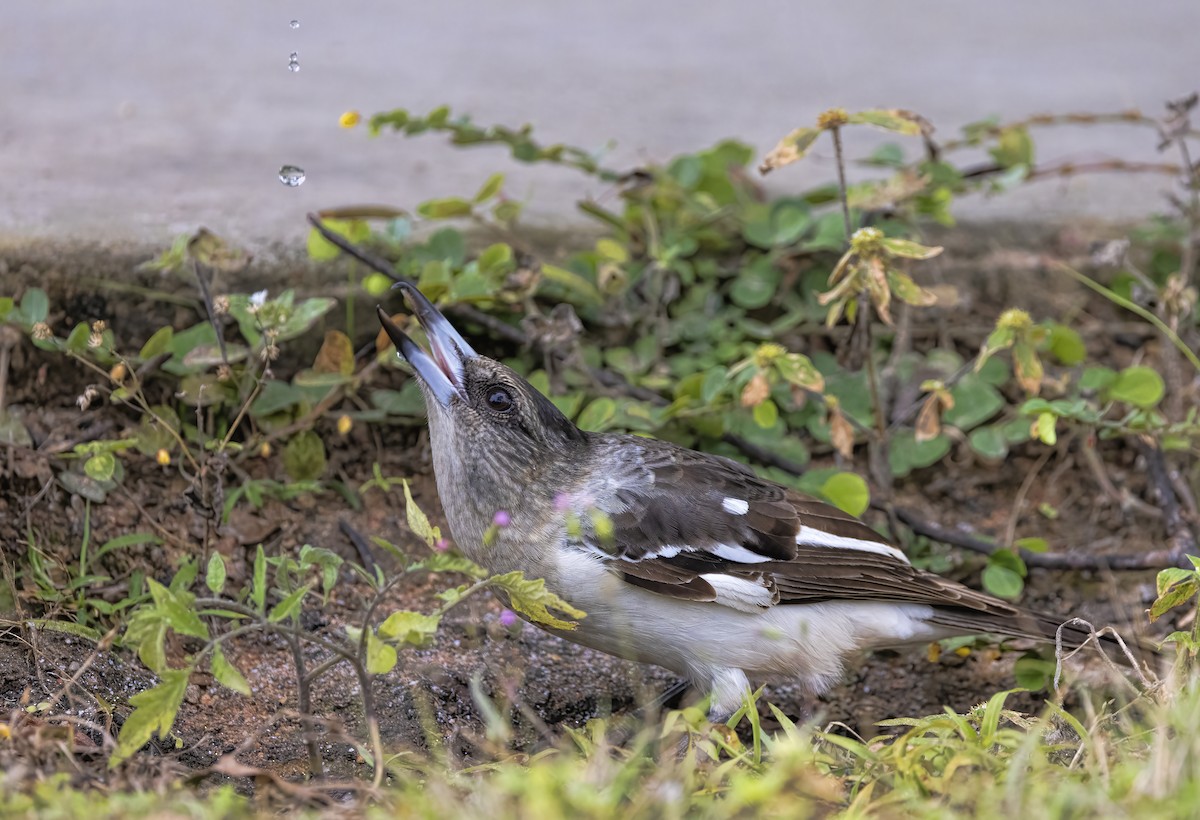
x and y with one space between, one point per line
443 371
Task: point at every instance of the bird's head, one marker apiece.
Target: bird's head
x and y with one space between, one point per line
495 438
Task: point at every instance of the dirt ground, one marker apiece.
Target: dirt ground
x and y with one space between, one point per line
550 682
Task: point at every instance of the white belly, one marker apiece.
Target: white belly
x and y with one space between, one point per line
702 640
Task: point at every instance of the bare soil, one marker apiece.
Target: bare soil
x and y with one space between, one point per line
544 681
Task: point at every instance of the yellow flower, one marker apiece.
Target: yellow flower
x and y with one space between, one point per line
264 449
162 457
349 119
344 424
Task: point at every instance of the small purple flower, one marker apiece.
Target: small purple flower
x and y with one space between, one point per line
441 545
501 518
508 618
562 502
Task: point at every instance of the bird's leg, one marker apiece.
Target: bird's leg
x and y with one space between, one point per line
659 703
729 690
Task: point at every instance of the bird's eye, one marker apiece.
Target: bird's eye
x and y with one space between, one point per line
499 399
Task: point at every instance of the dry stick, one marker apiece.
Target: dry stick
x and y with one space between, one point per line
1070 169
1131 116
1156 559
877 446
1179 534
316 765
836 133
1188 263
1150 560
1010 531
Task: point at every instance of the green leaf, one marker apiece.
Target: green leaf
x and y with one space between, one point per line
895 120
214 578
908 291
497 257
888 155
157 343
791 148
612 250
1097 378
848 492
226 673
1139 386
597 415
322 250
907 454
1172 575
100 467
77 339
534 601
798 369
989 442
907 249
1045 428
381 656
576 285
154 711
1032 544
766 414
754 287
418 522
304 456
177 610
975 401
406 626
448 562
490 188
1034 673
450 207
147 630
1002 581
1014 147
1174 596
289 606
1066 345
35 305
258 588
13 430
69 627
303 316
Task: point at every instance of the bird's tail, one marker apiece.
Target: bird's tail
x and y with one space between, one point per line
1069 633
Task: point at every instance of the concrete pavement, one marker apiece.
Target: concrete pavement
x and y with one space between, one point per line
132 120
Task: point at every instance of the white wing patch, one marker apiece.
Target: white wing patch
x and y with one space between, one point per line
738 554
813 537
735 506
739 593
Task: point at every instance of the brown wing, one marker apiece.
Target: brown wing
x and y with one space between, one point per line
680 515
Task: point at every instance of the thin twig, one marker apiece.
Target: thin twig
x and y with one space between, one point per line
1156 559
843 192
1179 534
1010 531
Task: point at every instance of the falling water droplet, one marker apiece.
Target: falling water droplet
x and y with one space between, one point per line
291 175
294 61
295 24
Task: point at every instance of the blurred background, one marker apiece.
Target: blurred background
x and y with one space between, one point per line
137 120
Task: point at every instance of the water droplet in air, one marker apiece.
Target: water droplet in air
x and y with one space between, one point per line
294 24
291 175
294 61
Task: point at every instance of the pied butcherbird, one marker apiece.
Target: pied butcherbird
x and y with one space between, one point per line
679 558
